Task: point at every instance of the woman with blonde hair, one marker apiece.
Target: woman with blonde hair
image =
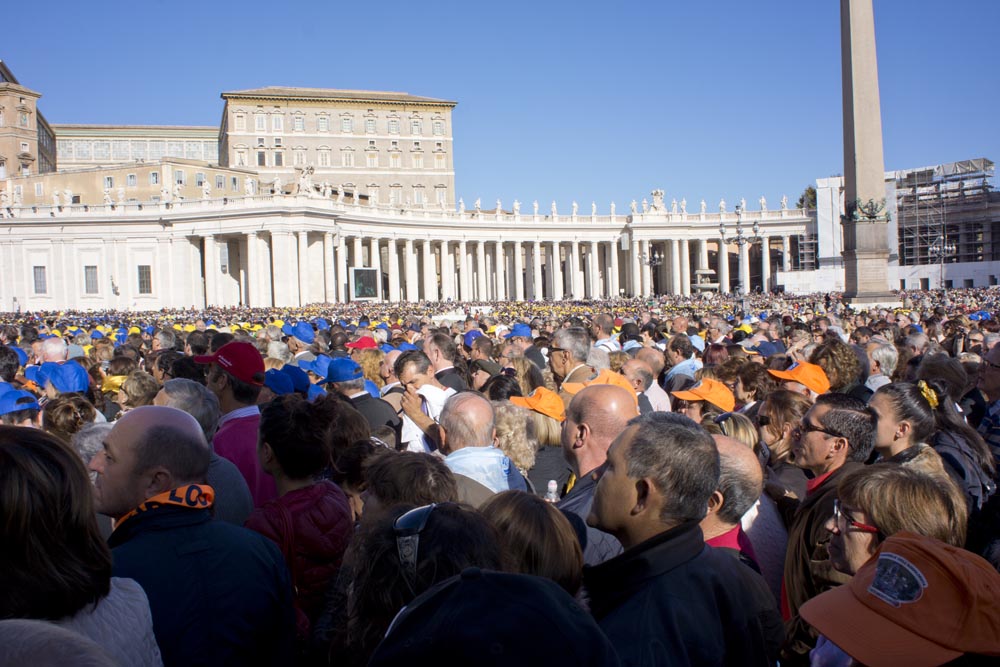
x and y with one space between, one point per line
370 360
515 436
527 374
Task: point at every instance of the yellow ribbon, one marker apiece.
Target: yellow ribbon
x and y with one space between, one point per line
928 393
112 383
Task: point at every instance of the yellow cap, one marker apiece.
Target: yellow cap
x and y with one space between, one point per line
189 328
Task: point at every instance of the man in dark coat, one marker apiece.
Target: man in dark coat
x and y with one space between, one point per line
670 599
219 593
345 376
442 351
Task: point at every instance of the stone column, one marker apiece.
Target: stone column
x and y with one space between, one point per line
303 257
613 285
866 234
481 293
765 264
253 278
647 274
211 271
537 289
594 264
518 271
723 267
744 267
343 294
574 270
702 253
786 253
375 262
447 272
329 273
500 269
685 267
359 253
634 262
463 271
557 272
430 272
392 258
412 282
675 266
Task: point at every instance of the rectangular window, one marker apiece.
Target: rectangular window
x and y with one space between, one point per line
3 169
299 158
277 123
394 161
393 126
261 159
324 158
260 122
145 279
260 141
277 142
347 159
102 150
241 122
416 127
90 280
438 128
154 178
24 146
41 284
346 125
279 159
179 177
372 160
109 181
442 196
370 125
299 124
220 182
235 184
131 180
440 161
119 150
418 195
199 179
39 191
323 124
418 161
395 195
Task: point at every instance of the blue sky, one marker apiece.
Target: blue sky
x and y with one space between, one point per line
566 101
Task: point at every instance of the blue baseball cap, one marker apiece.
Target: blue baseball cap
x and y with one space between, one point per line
5 387
519 331
320 366
9 402
343 369
301 330
300 381
407 347
278 382
67 378
473 335
314 392
22 356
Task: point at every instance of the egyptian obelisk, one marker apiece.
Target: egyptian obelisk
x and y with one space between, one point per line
866 243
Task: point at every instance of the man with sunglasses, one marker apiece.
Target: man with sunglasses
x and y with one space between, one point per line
834 437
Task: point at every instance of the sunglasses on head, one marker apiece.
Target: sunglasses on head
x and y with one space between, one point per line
407 528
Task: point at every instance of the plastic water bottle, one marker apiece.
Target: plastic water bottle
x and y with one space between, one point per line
552 495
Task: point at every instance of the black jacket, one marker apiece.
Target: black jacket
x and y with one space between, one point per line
673 600
450 377
600 545
220 594
378 413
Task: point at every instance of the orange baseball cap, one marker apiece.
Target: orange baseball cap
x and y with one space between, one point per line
918 601
810 375
710 391
544 401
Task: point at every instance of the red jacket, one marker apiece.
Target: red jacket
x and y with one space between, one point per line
236 440
312 526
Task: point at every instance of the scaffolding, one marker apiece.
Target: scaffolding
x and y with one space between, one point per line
944 214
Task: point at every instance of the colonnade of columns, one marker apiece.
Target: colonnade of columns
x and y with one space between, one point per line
301 267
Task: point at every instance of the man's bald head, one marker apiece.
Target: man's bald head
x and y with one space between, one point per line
605 408
467 420
165 437
638 373
653 358
741 479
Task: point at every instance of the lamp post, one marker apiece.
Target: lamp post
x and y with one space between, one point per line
743 241
940 250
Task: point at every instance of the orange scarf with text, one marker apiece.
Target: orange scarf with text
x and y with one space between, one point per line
191 496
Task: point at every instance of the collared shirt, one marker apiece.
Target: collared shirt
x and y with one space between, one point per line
609 344
238 413
386 388
687 367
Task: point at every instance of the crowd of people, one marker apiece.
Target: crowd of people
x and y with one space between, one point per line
708 481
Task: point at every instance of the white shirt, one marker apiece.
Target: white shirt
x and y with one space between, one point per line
434 400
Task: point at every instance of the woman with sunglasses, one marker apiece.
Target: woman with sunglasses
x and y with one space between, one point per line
778 415
883 499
